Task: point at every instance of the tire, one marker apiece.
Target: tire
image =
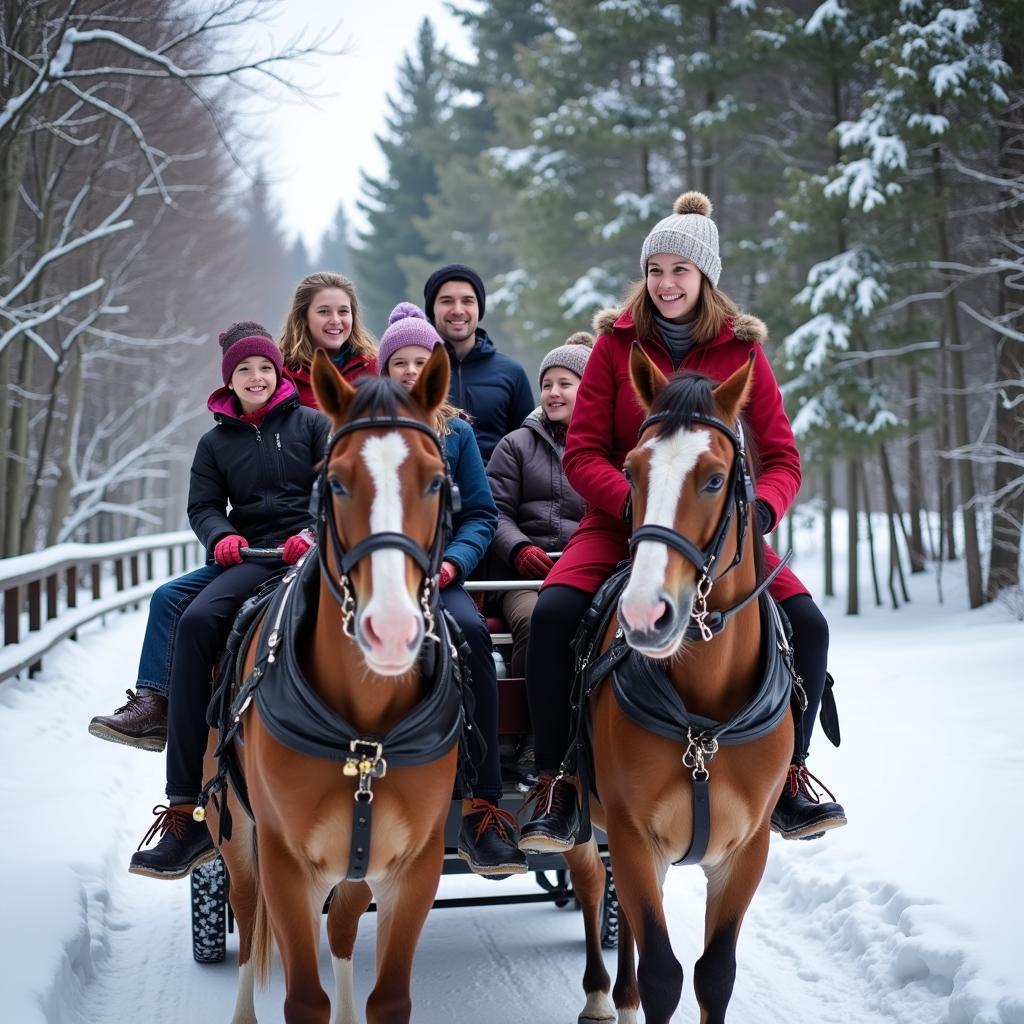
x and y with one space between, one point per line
209 912
609 913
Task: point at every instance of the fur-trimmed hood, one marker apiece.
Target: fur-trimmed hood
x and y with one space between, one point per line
745 327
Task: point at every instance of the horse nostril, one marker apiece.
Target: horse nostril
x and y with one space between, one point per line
664 621
368 631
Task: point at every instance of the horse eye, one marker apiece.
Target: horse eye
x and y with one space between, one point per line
629 476
435 485
337 487
715 484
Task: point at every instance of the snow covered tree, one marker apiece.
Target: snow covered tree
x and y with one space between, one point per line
395 204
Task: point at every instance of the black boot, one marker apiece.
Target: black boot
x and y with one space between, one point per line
141 723
800 812
556 816
184 845
487 841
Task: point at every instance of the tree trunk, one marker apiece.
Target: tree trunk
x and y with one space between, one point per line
871 535
852 575
958 400
915 484
828 493
895 516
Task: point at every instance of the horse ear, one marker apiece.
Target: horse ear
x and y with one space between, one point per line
647 379
732 394
431 388
333 393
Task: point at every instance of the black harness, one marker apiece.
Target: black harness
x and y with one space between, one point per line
294 713
641 686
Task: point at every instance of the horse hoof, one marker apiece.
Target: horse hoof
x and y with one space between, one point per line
598 1010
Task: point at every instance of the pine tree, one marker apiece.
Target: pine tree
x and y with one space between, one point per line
395 204
335 254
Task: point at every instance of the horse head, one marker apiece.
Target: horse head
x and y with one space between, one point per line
691 490
383 505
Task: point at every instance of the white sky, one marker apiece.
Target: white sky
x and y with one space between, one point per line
314 151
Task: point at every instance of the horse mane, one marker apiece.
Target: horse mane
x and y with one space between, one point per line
381 396
688 394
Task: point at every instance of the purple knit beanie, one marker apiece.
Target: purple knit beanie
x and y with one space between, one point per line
243 339
407 325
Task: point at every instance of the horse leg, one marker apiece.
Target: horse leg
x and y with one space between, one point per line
626 993
588 875
731 887
294 902
638 881
348 904
403 902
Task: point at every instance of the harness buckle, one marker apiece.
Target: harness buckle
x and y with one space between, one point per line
365 760
700 612
701 748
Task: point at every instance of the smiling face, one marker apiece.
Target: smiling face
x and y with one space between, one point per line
558 389
254 381
405 364
329 318
673 285
456 314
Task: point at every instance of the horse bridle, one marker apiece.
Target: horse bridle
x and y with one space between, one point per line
741 487
428 559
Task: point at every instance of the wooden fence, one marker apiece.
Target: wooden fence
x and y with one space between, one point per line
48 595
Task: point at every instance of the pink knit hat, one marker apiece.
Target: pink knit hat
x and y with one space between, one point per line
407 325
243 339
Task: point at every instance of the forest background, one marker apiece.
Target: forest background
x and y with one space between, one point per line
865 160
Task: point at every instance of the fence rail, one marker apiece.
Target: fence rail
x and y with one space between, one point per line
48 595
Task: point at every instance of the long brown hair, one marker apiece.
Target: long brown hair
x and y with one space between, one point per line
295 342
709 317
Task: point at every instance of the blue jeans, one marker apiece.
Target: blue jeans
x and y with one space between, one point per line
166 607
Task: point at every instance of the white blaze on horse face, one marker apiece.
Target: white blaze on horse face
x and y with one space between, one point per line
392 615
672 459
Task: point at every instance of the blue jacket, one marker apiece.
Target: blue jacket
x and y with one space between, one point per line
493 388
475 524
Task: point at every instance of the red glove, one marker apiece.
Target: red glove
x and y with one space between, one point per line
296 546
444 577
532 562
228 550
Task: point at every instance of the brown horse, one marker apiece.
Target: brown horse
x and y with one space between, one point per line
696 562
384 491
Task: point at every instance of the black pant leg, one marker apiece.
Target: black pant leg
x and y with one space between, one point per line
550 669
484 684
810 656
201 635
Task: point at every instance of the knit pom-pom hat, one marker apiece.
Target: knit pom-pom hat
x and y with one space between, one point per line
243 339
688 232
407 325
573 355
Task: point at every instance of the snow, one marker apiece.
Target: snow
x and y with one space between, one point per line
910 914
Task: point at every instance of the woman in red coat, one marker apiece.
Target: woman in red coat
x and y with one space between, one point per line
325 314
683 322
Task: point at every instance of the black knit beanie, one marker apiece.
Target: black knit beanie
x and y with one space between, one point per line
453 272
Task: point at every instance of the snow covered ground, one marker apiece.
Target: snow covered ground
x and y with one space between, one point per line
910 914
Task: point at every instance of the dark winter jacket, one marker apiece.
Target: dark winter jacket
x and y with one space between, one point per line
264 473
352 370
474 525
606 426
535 503
493 388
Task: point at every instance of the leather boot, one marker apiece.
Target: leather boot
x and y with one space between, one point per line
800 812
487 841
141 723
184 844
555 820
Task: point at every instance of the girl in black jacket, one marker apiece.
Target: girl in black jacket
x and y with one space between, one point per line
250 485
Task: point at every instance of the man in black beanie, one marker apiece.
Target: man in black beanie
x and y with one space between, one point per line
491 386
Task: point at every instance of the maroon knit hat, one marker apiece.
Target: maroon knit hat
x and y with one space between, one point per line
243 339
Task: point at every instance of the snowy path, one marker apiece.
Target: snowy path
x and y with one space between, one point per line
879 922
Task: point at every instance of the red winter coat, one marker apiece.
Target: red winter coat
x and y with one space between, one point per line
358 366
605 428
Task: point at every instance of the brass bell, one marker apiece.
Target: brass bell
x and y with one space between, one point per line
349 768
199 814
364 767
